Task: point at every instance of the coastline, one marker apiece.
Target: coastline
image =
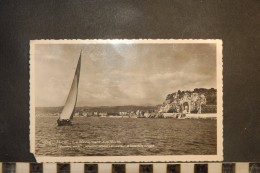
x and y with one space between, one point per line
162 116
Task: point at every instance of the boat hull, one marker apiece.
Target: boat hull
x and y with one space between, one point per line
64 122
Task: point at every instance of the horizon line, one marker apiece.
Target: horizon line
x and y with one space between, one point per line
99 106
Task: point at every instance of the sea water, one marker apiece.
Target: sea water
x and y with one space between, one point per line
89 136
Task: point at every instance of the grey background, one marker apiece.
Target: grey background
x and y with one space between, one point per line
235 22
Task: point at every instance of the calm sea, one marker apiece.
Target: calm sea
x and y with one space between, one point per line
125 136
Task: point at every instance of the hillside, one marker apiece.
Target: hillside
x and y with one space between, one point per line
112 109
200 100
210 94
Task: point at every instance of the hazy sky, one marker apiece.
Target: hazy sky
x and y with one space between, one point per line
122 74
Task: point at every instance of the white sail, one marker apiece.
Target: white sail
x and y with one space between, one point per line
69 107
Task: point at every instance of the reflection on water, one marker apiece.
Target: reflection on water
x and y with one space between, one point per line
125 136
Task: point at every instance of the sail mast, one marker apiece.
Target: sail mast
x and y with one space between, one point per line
69 107
77 73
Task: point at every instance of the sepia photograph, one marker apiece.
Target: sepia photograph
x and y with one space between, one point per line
126 100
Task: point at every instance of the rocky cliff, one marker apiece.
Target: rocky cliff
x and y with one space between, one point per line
200 100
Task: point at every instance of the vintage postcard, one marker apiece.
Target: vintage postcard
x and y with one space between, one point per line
126 100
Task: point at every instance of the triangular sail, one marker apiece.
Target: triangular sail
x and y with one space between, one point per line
69 107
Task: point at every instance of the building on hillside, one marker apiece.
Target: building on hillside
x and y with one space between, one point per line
102 114
188 103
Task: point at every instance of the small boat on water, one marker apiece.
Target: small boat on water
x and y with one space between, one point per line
69 108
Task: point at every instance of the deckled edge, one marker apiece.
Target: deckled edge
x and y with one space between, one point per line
130 159
220 104
32 98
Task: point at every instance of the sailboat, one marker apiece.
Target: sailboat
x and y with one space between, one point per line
69 107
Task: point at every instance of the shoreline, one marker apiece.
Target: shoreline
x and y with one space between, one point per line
162 116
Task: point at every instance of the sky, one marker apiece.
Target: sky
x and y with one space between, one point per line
121 74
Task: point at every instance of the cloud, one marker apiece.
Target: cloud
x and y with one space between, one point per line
122 74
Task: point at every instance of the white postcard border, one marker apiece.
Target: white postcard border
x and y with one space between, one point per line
153 158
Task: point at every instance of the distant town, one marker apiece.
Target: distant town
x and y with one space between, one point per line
198 101
103 111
